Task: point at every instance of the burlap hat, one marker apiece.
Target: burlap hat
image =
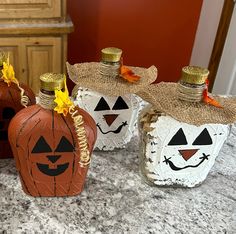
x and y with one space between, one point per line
164 97
88 75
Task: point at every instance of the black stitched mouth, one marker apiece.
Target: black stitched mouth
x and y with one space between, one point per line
175 168
115 131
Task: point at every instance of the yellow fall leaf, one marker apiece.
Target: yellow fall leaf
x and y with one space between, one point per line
8 74
63 101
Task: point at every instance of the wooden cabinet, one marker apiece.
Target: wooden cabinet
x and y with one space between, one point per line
33 56
35 47
32 9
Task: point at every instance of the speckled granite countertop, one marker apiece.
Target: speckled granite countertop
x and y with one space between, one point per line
115 200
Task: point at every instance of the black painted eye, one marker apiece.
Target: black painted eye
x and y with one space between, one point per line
120 104
102 105
203 139
64 146
8 113
179 138
41 146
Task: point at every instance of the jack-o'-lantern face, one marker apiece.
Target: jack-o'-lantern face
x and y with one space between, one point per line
52 157
7 112
43 149
183 154
115 117
9 105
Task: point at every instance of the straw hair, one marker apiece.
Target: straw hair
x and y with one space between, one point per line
164 97
88 75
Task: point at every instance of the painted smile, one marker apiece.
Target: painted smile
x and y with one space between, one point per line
44 168
115 131
175 168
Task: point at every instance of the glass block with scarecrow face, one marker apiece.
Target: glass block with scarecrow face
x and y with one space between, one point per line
181 139
115 116
109 97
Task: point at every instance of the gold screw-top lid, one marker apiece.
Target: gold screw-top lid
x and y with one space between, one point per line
3 57
52 81
111 54
194 75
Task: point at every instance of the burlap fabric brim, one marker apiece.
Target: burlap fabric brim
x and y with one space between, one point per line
88 75
164 97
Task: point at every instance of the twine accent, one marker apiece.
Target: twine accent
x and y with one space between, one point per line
85 158
24 99
110 69
190 92
47 101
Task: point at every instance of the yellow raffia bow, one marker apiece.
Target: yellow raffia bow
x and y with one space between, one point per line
64 104
8 76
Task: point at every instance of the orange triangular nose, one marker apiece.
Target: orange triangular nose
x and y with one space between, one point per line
110 119
188 153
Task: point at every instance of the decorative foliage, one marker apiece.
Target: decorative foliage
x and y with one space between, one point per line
8 73
128 75
207 99
63 101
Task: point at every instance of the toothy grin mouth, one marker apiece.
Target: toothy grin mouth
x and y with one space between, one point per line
175 168
118 130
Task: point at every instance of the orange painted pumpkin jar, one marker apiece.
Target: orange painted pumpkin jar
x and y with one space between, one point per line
52 150
13 98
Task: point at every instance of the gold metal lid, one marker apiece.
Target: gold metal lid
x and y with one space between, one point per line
194 75
3 57
111 54
52 81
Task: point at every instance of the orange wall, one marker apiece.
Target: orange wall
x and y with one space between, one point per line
159 32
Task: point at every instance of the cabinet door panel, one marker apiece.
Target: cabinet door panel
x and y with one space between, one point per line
39 62
33 56
30 9
43 55
12 49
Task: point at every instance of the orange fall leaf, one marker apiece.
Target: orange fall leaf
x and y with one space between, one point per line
210 100
129 75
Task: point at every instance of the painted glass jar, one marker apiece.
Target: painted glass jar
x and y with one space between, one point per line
115 116
10 103
181 139
48 147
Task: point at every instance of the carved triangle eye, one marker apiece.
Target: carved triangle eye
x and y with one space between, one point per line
41 146
8 113
203 139
120 104
64 146
102 105
179 138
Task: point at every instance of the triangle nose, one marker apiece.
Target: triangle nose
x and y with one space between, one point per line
110 118
188 153
53 158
